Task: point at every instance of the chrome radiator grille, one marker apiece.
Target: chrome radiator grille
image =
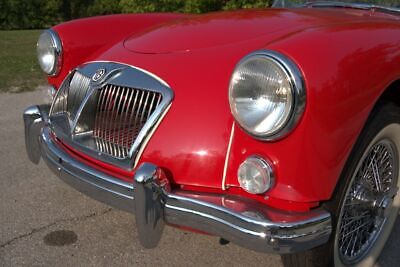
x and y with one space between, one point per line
107 110
121 113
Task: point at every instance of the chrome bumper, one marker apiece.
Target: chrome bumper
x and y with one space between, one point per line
237 219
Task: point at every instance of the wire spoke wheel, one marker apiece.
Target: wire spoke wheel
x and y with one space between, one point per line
368 201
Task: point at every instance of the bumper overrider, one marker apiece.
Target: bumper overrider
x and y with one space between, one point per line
240 220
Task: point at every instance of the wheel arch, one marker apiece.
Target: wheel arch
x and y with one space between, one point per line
390 95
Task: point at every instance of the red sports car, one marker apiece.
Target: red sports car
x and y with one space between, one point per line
276 129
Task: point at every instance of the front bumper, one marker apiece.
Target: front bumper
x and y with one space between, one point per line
237 219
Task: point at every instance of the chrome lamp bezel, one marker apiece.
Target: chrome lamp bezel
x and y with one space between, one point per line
267 167
298 90
58 51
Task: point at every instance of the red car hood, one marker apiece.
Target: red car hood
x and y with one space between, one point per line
227 28
196 57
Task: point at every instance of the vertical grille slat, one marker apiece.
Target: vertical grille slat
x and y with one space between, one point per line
98 118
132 113
159 100
126 121
144 107
113 115
114 112
135 112
151 106
108 115
124 111
121 113
103 128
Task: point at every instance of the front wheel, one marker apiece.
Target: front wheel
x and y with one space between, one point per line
366 202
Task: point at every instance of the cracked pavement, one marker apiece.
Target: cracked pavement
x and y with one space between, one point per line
34 203
45 227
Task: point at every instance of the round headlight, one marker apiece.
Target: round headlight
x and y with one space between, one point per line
266 94
255 175
49 52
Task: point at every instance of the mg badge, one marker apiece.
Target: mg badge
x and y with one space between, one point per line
98 74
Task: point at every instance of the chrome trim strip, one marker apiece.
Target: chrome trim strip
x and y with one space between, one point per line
338 4
334 4
256 232
227 155
57 45
135 67
219 220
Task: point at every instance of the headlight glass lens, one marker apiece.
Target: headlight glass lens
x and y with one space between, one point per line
261 95
49 52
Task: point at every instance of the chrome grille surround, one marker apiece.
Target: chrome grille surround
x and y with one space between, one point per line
111 118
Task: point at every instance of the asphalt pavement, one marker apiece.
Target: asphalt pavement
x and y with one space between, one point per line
43 222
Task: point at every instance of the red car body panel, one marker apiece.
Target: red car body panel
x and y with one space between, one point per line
85 39
347 57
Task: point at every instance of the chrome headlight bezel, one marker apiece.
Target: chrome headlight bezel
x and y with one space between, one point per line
298 92
56 48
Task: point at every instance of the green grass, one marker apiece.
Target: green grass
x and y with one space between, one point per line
19 70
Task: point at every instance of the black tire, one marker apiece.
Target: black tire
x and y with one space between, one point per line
383 116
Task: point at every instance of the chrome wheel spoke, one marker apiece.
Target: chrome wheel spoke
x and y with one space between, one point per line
362 216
